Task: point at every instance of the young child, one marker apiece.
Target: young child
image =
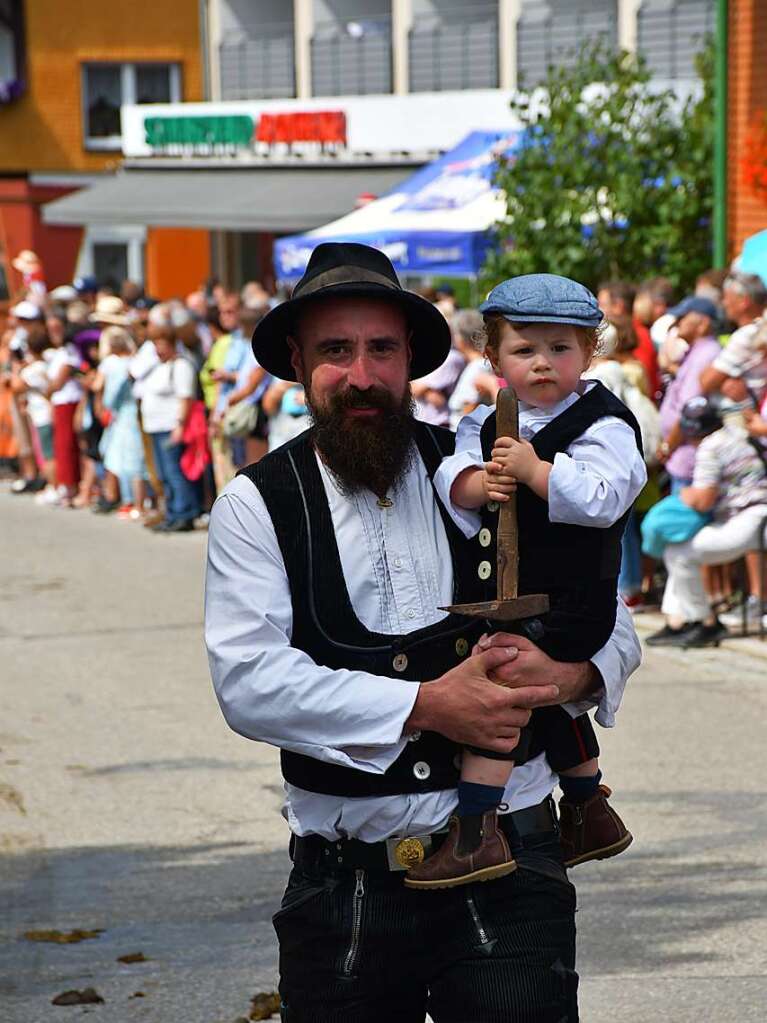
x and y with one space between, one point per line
577 469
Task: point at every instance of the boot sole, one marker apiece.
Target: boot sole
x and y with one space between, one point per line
486 874
602 854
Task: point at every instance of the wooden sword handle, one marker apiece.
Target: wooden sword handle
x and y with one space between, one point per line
507 425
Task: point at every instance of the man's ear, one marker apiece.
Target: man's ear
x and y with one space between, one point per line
296 361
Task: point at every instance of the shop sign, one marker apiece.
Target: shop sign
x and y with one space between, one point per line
324 128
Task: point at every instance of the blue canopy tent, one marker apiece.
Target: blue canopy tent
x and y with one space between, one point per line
436 222
753 258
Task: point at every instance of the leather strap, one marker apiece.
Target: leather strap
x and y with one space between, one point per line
314 854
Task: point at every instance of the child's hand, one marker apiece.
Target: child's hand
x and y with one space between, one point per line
755 425
498 484
515 458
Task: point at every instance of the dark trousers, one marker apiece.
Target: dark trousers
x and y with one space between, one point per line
358 946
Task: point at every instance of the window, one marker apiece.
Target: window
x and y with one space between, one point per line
107 86
672 32
551 32
112 253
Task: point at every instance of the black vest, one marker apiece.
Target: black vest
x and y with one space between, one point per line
327 629
577 566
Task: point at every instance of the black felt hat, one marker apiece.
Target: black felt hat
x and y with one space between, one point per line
348 268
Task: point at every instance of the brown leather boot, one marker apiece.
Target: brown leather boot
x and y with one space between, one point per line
591 830
475 850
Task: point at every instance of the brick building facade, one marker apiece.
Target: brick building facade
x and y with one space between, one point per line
747 97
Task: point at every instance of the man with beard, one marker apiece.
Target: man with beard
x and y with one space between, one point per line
327 564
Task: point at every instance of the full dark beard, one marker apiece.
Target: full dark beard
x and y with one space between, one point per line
365 453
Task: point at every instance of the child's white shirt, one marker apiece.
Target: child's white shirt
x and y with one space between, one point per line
593 483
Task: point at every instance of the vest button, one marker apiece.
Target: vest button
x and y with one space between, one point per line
485 537
400 662
414 737
492 506
421 770
462 647
485 570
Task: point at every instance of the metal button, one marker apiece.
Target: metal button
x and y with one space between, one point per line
411 613
493 506
421 770
485 570
400 662
414 737
462 647
485 537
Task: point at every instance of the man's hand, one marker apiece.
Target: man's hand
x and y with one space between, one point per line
466 706
531 668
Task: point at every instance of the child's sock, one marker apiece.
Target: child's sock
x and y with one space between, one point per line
578 790
474 798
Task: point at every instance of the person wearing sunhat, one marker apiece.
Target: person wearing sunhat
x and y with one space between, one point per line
30 266
577 469
328 562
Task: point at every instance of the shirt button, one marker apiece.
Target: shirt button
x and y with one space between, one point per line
421 770
485 570
462 647
492 506
398 562
414 737
411 613
400 662
485 537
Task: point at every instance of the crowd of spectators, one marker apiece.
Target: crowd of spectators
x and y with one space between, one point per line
113 401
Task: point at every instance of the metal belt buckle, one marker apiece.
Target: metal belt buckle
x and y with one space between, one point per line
404 853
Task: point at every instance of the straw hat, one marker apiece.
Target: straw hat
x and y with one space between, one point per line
110 309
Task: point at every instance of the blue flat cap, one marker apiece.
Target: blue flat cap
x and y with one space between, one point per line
695 304
543 298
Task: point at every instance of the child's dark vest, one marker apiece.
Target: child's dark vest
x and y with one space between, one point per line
326 627
577 566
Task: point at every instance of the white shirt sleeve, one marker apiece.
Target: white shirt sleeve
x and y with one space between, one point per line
269 690
618 659
599 479
468 455
184 382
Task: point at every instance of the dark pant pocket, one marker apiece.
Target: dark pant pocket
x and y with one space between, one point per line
300 890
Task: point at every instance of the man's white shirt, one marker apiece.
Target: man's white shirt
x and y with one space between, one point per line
397 567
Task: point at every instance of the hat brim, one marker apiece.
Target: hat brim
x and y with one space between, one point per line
572 321
109 319
430 342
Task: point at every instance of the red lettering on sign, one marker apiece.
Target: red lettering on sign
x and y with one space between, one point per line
324 126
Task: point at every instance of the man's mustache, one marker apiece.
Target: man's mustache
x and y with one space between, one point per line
354 398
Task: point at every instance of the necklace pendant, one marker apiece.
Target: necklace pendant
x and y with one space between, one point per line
384 502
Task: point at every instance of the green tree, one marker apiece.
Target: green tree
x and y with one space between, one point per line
613 178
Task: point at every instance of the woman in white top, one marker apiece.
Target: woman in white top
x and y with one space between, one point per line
65 393
167 397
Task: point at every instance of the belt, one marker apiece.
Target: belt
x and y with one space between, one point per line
313 854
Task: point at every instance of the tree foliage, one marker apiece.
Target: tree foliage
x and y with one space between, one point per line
613 178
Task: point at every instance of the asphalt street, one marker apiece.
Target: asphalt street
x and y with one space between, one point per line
127 806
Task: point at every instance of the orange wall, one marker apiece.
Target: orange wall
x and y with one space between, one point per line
747 94
43 130
177 261
21 227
